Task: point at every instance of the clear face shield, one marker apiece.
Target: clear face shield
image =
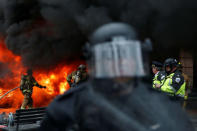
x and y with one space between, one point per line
117 58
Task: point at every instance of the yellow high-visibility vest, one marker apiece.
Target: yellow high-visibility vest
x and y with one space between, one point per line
168 88
157 80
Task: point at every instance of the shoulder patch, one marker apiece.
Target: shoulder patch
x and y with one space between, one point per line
177 80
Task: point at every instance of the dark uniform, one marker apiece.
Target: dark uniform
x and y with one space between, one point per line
26 87
78 76
96 107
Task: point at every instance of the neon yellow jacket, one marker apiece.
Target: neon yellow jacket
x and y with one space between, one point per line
174 85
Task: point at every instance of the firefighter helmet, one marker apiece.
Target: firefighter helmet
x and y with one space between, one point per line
29 72
81 67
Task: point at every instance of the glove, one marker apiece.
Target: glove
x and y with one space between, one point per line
21 88
157 85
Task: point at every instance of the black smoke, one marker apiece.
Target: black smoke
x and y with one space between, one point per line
46 32
2 19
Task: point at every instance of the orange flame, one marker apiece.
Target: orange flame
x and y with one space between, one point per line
54 80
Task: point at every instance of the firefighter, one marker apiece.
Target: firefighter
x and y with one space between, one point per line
115 98
174 84
26 86
159 75
78 76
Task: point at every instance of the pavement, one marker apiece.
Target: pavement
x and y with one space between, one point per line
26 127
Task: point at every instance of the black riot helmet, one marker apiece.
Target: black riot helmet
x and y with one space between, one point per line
170 62
114 51
156 64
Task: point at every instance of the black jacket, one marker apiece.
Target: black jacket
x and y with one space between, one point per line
106 106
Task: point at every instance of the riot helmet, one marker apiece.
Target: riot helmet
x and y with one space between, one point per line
170 63
157 64
115 51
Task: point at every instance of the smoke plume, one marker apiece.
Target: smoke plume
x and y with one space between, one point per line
46 32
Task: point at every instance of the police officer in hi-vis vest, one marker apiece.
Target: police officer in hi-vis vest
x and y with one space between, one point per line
159 75
174 83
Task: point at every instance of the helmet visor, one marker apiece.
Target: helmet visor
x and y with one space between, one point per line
117 58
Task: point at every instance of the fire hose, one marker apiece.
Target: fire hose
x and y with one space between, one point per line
8 92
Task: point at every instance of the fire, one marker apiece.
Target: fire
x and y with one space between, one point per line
11 69
54 78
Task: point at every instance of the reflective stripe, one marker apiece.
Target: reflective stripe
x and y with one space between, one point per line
181 91
172 88
180 95
169 84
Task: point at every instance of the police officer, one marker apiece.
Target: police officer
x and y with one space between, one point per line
174 83
26 86
78 76
159 75
115 98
